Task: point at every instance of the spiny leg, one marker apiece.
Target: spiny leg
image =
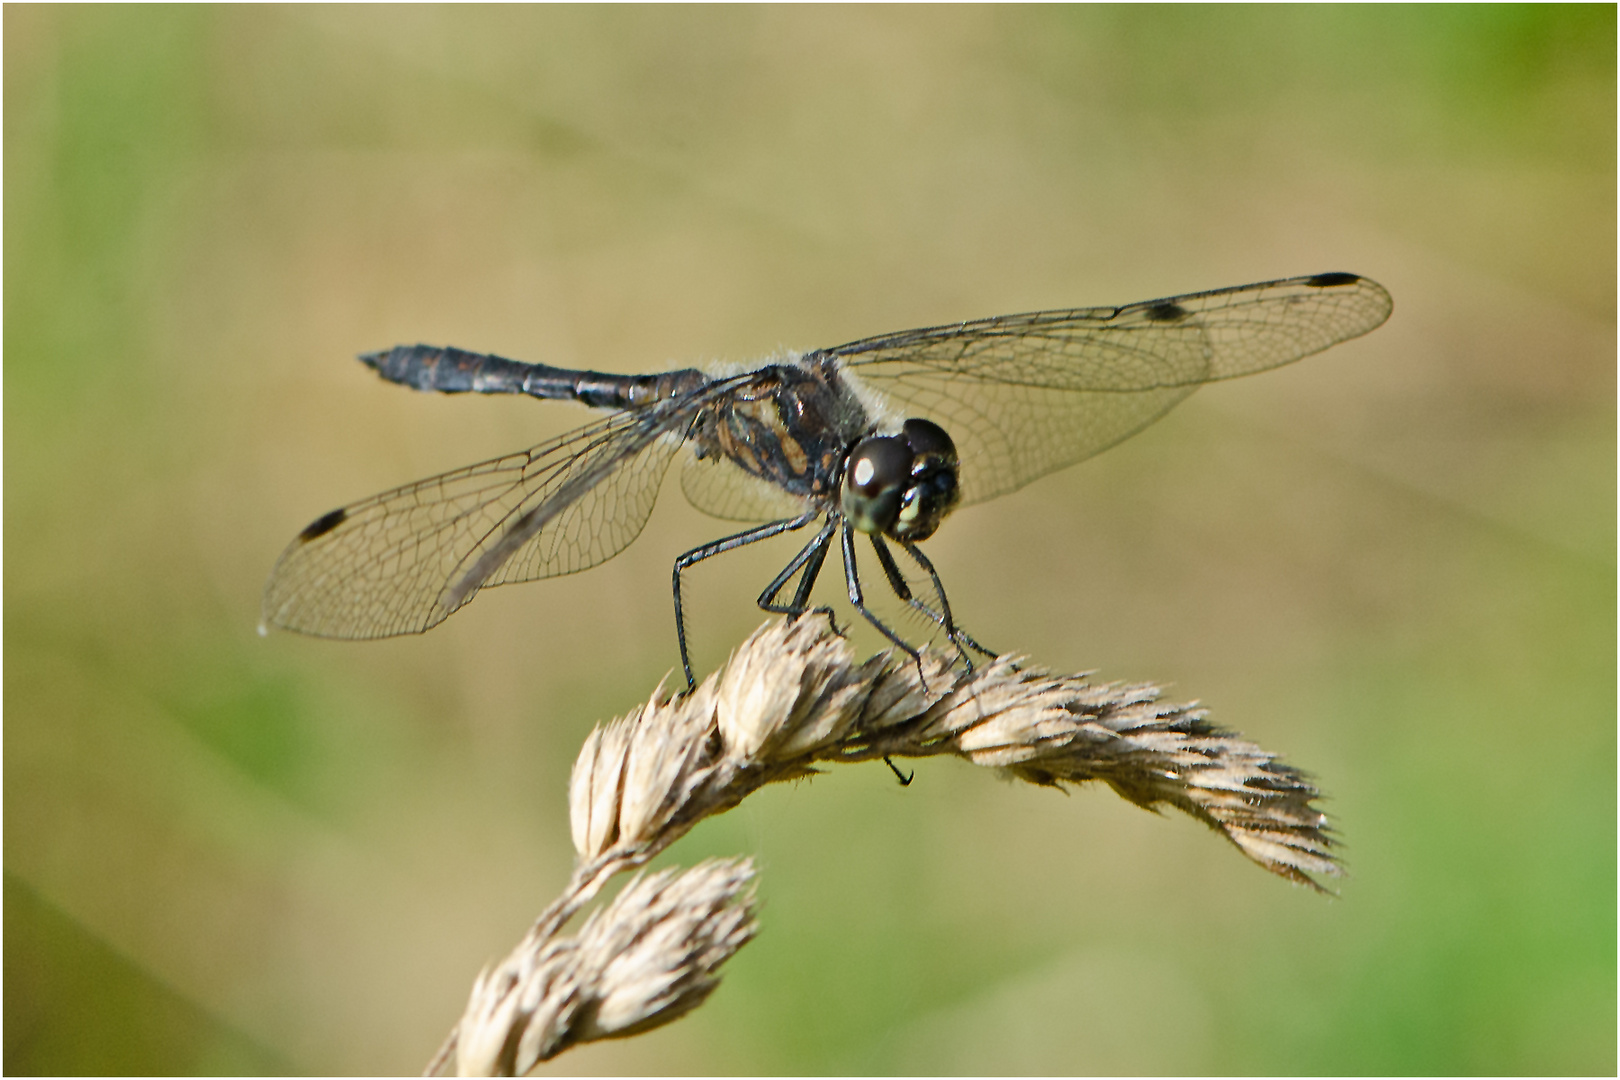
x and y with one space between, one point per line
902 589
709 550
809 559
957 634
897 580
853 579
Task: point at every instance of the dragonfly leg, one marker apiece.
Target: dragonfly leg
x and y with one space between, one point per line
958 636
716 547
809 560
897 580
852 579
902 589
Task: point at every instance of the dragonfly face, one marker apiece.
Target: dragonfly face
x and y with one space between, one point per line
789 444
902 486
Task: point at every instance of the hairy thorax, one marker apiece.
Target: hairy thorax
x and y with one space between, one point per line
791 428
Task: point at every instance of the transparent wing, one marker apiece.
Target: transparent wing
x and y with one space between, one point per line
399 562
718 486
1023 395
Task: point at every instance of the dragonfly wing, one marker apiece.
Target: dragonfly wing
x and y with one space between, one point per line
1024 395
718 486
402 561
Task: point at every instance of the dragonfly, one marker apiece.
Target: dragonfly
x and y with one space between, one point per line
885 436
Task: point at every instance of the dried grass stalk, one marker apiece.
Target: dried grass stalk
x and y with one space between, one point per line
792 697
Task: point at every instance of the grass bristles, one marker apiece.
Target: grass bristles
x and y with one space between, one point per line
644 959
790 698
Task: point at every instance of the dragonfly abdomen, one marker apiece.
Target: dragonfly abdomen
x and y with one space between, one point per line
457 371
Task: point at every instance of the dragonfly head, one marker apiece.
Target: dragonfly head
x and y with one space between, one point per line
902 485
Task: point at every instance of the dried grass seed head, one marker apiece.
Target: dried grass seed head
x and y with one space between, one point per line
643 960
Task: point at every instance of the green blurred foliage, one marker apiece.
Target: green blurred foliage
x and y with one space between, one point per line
138 1025
1395 563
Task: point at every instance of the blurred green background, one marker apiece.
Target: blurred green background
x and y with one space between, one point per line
1393 563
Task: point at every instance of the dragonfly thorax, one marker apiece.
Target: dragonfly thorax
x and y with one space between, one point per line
903 485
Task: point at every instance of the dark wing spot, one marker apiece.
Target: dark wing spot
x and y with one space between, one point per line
1166 313
1329 281
323 525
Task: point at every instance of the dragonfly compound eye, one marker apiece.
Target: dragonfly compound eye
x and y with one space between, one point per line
875 479
932 490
